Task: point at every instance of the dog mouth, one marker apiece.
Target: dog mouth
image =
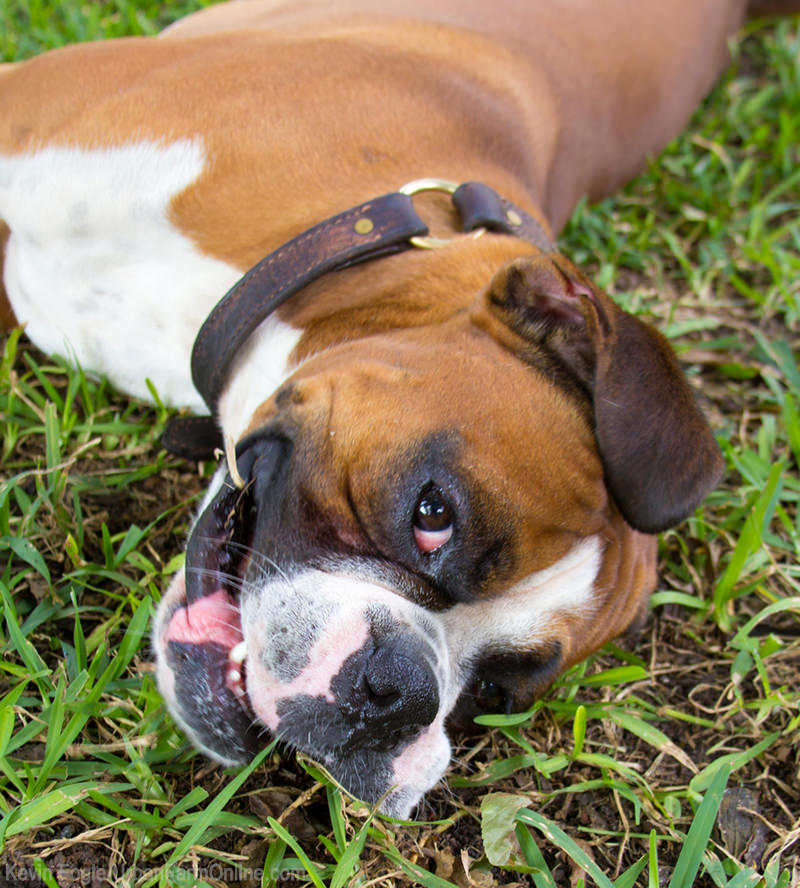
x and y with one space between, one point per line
217 558
212 624
203 637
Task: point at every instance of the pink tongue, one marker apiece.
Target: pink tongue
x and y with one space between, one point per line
213 618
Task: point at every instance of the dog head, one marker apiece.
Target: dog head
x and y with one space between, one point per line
434 522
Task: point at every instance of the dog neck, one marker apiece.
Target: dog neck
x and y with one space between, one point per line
412 289
374 229
251 340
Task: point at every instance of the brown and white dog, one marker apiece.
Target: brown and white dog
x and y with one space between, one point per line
449 463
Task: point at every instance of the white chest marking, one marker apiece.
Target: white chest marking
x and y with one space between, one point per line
98 272
257 370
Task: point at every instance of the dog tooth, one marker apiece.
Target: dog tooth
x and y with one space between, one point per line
238 653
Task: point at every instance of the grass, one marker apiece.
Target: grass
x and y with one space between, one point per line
628 773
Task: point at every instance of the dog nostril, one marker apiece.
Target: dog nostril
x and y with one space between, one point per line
402 688
382 700
382 678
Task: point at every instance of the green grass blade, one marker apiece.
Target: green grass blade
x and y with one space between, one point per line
29 816
578 731
629 877
417 873
697 838
731 761
285 836
561 840
539 871
750 540
348 863
205 821
652 858
42 871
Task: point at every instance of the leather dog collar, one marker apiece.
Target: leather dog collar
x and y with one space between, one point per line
373 229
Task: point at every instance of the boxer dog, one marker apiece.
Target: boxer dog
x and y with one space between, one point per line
448 451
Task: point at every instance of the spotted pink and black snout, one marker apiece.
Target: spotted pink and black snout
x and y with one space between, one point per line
380 698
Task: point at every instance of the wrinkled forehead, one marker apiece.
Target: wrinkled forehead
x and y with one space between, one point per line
414 384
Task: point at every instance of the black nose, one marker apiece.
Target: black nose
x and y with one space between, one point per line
386 692
402 694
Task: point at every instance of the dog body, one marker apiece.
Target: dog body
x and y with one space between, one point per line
453 459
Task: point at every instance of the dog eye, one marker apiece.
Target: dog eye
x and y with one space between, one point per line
433 522
490 697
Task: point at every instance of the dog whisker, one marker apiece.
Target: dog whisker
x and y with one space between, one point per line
261 559
258 558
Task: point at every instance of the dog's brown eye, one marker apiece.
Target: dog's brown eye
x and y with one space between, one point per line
433 523
490 697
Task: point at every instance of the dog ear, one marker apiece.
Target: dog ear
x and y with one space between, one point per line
659 454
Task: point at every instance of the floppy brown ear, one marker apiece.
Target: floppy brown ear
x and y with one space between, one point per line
659 454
